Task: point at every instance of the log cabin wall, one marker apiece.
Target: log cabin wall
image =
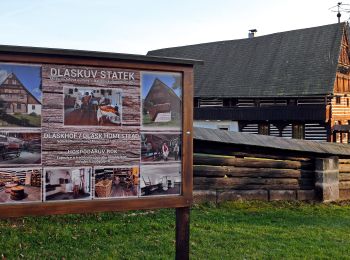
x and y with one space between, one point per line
229 166
344 179
253 176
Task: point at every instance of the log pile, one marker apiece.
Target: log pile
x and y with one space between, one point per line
254 176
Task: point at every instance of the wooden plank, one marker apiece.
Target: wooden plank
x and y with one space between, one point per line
187 135
237 151
343 168
182 233
220 183
252 187
344 161
208 159
231 171
73 207
344 185
344 177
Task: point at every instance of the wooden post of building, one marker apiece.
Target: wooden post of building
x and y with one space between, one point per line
182 233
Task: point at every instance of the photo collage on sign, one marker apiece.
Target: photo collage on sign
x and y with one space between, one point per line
160 170
98 139
20 133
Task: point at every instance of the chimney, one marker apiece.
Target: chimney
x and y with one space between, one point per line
252 33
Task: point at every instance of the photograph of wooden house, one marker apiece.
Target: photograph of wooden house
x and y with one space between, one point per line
160 179
160 147
116 182
20 148
161 99
92 106
292 84
20 95
67 184
20 185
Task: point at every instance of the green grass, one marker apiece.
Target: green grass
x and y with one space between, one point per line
236 230
17 119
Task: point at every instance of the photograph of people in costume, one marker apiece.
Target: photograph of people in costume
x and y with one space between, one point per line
116 182
20 95
20 148
67 184
159 147
161 100
160 179
92 106
20 185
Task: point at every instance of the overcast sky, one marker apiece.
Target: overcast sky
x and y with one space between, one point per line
136 26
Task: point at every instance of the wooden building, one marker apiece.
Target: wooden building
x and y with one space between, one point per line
16 98
293 84
162 100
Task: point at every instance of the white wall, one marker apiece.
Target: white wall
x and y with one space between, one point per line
231 125
36 110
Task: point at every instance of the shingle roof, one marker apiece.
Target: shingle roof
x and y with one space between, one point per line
293 63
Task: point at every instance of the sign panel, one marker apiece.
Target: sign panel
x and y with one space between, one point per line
77 133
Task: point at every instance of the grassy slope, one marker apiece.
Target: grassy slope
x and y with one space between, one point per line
232 230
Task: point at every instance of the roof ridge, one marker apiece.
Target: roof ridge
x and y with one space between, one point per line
250 39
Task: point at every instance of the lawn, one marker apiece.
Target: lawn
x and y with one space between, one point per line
17 119
233 230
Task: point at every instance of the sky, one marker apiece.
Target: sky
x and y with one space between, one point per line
137 26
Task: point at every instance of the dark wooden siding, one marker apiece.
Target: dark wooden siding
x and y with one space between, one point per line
284 113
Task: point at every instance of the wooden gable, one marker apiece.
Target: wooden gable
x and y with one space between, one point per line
342 80
12 85
160 93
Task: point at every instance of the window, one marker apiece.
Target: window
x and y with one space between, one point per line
298 131
70 91
337 100
19 106
263 129
33 107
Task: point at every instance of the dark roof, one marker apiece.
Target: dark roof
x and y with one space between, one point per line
293 63
265 141
158 82
95 54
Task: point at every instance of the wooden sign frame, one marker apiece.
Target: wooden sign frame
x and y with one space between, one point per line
29 55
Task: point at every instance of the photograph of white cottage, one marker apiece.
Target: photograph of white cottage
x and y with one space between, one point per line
20 95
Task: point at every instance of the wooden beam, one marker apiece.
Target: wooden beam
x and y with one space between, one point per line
209 159
182 233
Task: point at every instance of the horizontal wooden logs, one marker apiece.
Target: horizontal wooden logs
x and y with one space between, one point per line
231 171
343 168
248 183
202 148
344 161
343 185
207 159
344 177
